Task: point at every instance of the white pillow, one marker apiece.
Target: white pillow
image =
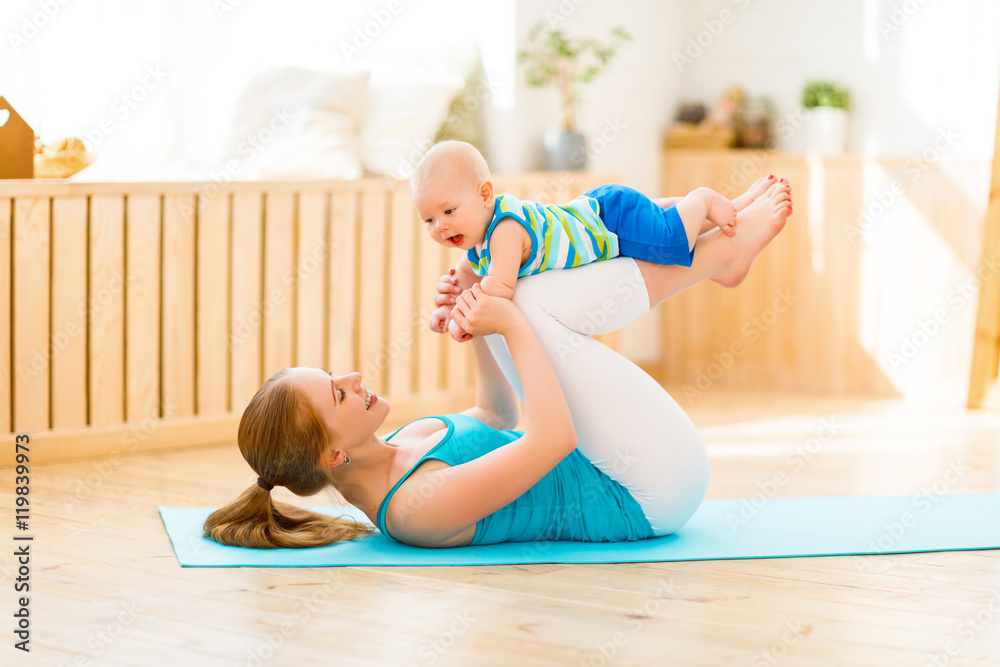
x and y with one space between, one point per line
300 124
406 108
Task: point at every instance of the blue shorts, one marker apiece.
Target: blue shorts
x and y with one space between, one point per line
645 230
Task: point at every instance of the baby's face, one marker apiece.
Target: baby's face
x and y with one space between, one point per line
456 216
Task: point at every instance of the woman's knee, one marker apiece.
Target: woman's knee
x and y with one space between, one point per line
671 512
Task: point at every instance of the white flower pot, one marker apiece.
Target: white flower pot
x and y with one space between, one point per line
826 130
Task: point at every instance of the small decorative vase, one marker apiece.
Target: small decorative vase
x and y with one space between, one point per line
827 130
565 151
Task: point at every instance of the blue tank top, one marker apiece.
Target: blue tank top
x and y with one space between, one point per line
573 501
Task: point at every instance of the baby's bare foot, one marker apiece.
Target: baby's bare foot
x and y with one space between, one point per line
721 212
758 188
756 226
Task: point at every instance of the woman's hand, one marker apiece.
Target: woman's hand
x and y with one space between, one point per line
479 313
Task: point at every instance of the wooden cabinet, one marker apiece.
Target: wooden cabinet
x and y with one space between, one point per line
869 289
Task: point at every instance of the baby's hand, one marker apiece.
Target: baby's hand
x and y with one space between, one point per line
448 289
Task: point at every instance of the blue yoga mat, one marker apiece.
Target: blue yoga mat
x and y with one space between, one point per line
720 529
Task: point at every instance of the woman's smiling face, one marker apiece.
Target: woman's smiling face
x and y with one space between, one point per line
342 402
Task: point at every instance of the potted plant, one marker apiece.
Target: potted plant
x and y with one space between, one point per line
552 57
827 120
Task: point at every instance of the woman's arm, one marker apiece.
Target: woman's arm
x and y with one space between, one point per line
466 493
497 404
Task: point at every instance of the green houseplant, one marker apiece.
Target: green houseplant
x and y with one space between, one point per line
826 124
551 57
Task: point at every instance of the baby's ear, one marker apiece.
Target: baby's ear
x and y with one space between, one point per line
486 192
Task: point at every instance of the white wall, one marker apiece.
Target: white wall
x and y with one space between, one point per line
912 67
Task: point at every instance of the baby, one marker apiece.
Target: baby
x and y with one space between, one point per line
505 238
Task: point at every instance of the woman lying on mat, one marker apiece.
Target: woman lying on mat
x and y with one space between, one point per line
606 453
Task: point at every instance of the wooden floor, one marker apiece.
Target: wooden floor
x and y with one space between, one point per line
106 588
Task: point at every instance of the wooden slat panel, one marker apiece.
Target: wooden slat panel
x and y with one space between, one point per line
69 312
372 289
313 254
142 307
107 310
404 315
212 373
31 314
430 346
177 366
844 350
279 277
342 356
795 368
247 317
5 303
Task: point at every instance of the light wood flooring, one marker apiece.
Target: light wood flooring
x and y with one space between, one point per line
106 588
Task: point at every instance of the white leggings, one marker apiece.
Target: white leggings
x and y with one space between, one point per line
626 423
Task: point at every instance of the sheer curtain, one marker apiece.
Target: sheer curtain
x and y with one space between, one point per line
151 86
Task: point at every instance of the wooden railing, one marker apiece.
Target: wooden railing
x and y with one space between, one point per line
146 315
